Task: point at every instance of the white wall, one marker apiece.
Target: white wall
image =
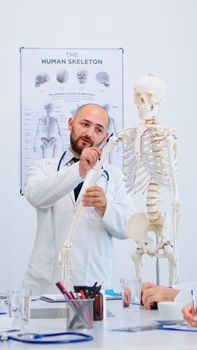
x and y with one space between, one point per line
158 36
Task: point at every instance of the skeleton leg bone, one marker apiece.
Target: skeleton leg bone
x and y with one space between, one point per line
137 259
173 263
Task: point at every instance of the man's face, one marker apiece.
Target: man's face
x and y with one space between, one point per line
88 128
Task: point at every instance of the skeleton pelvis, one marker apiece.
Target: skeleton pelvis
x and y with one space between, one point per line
139 226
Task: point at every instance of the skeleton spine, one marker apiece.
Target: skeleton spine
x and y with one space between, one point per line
152 199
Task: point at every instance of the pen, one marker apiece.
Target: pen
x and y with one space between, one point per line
94 285
95 291
72 295
82 294
64 291
193 303
105 141
68 297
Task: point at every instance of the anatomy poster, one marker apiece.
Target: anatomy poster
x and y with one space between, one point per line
54 83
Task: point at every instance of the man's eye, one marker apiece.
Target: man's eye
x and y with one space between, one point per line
99 130
84 124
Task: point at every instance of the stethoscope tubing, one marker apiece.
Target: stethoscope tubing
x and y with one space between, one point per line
38 338
60 161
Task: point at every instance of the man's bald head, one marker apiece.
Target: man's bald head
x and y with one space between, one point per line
93 107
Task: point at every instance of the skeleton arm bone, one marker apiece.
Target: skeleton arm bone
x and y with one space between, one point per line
173 264
176 202
89 181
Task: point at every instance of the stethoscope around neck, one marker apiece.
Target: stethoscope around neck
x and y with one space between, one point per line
60 161
104 173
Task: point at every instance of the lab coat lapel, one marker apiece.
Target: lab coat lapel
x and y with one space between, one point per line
67 158
72 198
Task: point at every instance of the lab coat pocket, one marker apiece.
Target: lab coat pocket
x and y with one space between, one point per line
90 214
99 269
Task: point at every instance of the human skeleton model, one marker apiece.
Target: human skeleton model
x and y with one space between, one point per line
47 134
149 161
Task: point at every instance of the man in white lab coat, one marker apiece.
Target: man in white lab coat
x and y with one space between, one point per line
51 192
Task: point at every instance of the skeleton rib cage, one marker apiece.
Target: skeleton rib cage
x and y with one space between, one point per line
148 161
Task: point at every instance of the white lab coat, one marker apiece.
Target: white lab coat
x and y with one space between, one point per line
51 193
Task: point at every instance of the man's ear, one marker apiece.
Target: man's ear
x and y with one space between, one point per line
70 123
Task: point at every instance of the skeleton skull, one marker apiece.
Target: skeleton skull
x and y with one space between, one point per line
82 76
149 91
48 107
62 76
103 78
41 78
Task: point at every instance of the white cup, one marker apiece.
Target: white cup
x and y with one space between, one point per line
170 310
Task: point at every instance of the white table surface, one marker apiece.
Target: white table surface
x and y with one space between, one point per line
104 338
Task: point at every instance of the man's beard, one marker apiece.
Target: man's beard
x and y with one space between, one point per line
74 143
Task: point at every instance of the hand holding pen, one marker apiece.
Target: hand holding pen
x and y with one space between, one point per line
90 155
88 159
189 311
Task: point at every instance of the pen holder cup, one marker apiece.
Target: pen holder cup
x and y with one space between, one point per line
80 314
